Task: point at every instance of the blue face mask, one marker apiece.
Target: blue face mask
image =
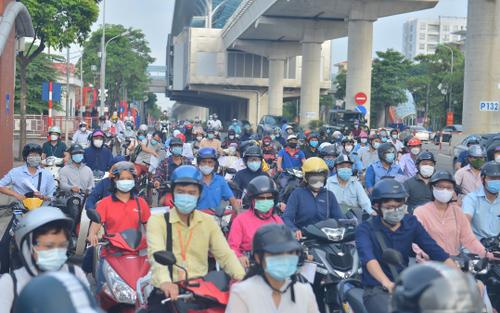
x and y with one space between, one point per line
281 267
389 157
141 137
330 163
313 144
176 150
125 185
264 206
51 260
384 139
344 173
493 186
185 203
77 158
210 136
254 166
154 142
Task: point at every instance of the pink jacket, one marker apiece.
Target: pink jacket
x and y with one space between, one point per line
243 229
451 231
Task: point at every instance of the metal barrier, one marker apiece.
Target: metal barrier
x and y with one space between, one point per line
37 126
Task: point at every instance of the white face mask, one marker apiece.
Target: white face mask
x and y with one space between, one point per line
364 140
497 158
348 148
415 150
98 143
54 137
83 129
442 195
426 170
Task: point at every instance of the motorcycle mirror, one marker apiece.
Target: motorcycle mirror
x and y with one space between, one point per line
392 257
94 216
230 170
165 257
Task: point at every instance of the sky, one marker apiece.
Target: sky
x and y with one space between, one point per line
154 17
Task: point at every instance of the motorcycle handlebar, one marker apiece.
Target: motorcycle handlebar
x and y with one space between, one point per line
180 297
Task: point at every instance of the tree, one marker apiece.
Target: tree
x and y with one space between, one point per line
130 81
340 83
57 24
152 108
389 76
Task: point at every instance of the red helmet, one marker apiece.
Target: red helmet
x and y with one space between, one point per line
414 142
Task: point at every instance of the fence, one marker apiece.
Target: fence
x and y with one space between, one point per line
37 126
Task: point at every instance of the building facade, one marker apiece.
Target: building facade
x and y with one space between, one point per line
422 36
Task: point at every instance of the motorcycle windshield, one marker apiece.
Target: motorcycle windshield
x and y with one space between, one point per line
132 237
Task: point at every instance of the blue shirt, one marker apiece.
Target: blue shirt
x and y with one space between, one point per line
291 161
101 190
19 176
98 158
376 171
304 209
212 194
485 221
410 231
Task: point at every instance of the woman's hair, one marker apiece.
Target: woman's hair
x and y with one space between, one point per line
54 227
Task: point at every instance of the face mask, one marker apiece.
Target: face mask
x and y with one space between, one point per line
375 145
263 206
176 150
442 195
185 203
54 137
317 185
281 267
292 145
348 148
129 127
34 161
199 138
313 144
51 260
210 136
477 163
392 217
394 136
154 142
389 157
125 185
356 126
98 143
363 140
254 166
206 170
344 173
330 163
141 137
384 139
277 135
493 186
426 170
266 143
497 158
83 129
77 158
415 151
231 137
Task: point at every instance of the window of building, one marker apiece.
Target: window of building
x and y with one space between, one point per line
240 64
423 26
446 28
421 36
432 38
421 46
433 28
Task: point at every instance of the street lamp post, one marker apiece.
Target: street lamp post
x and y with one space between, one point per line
450 87
103 57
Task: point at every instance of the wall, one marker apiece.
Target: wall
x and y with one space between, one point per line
7 74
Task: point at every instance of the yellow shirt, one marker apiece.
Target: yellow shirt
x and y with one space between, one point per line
202 236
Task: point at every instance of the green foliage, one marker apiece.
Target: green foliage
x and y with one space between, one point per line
315 124
127 58
152 108
340 82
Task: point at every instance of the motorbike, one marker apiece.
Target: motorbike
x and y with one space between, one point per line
99 175
120 264
209 294
53 165
109 139
334 255
223 216
288 180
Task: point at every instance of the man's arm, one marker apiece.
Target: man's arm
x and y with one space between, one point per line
429 245
363 199
157 241
6 181
334 209
369 178
468 206
63 180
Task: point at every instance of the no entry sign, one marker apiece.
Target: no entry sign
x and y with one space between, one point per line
360 98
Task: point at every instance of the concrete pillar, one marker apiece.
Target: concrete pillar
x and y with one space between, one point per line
276 78
310 85
482 66
359 59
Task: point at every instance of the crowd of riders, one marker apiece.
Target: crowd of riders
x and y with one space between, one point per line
274 184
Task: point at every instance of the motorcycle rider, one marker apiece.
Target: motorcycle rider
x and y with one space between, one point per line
119 211
328 152
235 125
271 284
168 165
42 239
97 156
462 159
482 206
215 187
311 147
76 176
54 146
56 292
291 156
253 161
347 189
104 123
262 194
418 186
397 230
394 139
278 140
407 161
217 123
211 142
193 235
28 176
468 178
247 133
311 202
148 149
348 149
370 155
231 138
384 167
362 143
81 135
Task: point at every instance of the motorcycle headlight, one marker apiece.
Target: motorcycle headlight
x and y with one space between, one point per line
122 292
226 219
334 234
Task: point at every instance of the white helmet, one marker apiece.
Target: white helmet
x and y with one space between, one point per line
143 127
55 129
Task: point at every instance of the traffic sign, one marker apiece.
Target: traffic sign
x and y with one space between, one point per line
361 109
360 98
492 106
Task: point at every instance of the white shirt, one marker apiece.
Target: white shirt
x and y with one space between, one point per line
253 295
82 138
23 278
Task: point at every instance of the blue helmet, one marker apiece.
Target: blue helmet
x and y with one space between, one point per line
207 153
187 174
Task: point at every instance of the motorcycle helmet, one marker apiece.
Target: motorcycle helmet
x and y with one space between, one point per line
260 185
476 151
23 232
442 175
425 156
55 130
187 174
76 149
98 133
143 128
413 142
490 169
207 153
314 165
175 142
56 292
328 150
347 140
252 151
473 140
388 188
385 148
434 287
343 158
275 239
31 148
119 167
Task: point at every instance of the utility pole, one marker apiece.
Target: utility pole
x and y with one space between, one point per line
103 59
82 107
67 97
